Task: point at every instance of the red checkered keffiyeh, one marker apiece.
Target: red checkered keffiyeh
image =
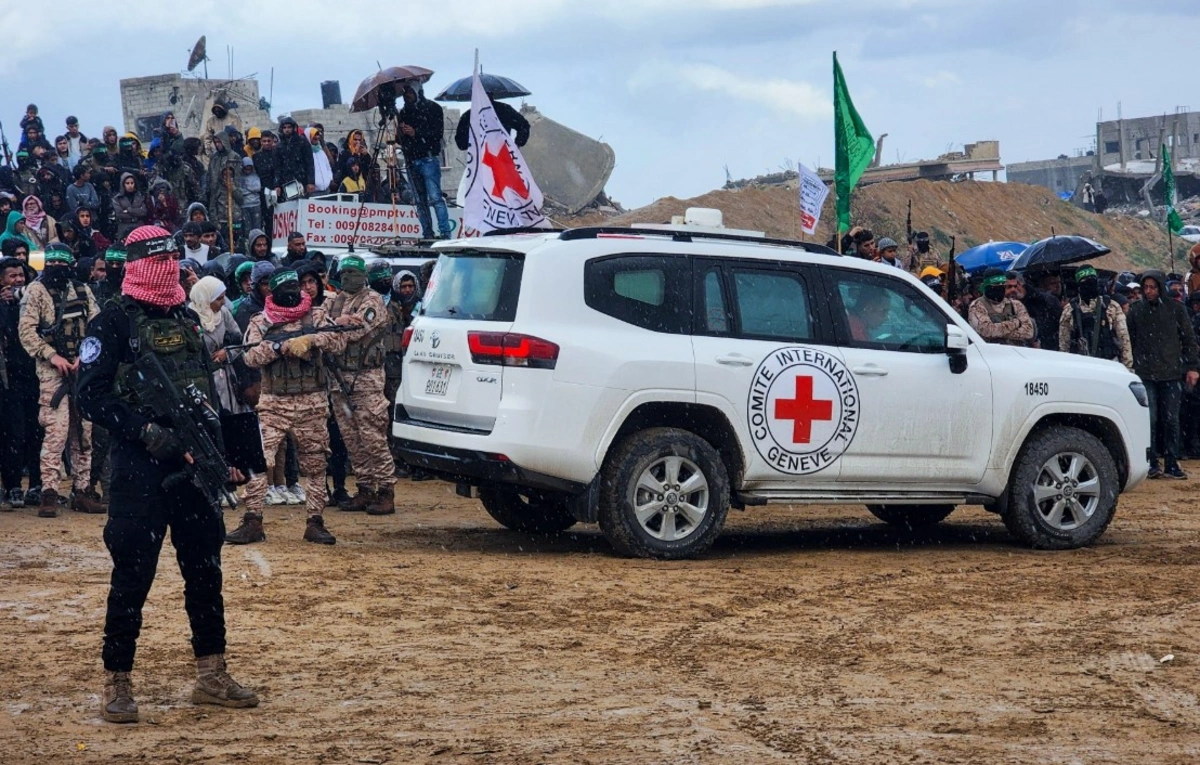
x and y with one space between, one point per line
153 279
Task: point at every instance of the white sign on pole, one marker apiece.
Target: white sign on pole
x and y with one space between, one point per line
812 197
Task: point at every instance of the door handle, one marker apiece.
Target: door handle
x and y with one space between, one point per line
869 370
735 360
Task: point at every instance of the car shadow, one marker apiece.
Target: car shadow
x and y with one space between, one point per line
764 539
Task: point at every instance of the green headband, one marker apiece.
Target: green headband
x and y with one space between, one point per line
60 255
282 277
1087 272
352 262
115 255
994 280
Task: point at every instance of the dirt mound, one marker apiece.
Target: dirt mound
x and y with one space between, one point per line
974 212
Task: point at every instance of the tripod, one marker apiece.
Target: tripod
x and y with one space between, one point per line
388 114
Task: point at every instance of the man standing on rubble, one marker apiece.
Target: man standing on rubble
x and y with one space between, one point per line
421 130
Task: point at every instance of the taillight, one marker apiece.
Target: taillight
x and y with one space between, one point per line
406 338
512 350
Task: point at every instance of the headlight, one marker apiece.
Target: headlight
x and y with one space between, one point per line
1139 392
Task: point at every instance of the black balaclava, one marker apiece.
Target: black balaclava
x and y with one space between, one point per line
993 287
1088 282
287 294
56 276
380 279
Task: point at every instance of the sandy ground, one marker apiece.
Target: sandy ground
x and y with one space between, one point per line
814 635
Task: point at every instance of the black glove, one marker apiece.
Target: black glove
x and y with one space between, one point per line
162 443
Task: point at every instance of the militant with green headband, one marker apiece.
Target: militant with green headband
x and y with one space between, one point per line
995 280
283 277
1086 272
352 262
59 255
115 254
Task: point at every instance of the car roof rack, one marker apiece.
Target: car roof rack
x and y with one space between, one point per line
522 230
594 232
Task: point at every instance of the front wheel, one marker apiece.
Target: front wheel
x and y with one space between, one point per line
1063 490
664 494
911 517
527 512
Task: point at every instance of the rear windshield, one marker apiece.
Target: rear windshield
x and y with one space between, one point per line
480 286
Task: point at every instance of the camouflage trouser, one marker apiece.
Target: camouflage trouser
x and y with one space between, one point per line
63 430
305 417
364 425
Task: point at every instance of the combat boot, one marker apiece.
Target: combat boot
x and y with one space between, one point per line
316 532
215 686
383 501
358 502
48 507
249 532
87 501
337 497
117 704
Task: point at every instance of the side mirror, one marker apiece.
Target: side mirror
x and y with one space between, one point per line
956 348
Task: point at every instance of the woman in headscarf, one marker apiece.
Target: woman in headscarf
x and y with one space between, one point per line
39 226
220 330
129 206
15 229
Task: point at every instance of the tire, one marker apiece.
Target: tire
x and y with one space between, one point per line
680 525
911 517
524 511
1034 515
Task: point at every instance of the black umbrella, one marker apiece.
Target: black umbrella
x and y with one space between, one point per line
1058 251
495 86
367 95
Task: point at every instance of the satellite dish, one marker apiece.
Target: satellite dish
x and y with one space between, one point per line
198 54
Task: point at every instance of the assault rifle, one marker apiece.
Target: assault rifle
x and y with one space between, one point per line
279 337
8 157
908 224
952 277
196 424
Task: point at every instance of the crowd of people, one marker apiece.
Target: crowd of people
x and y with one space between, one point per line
1149 322
80 200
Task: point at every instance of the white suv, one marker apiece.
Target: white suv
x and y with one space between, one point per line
650 379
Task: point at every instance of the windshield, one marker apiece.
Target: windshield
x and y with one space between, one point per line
481 286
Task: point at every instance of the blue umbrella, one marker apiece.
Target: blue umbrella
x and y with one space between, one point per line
991 255
493 84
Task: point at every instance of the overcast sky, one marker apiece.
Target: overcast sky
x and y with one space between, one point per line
679 88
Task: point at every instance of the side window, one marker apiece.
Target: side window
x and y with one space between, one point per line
886 314
772 305
716 313
649 291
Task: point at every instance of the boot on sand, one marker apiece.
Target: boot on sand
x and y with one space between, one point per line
117 704
383 501
249 532
315 531
215 686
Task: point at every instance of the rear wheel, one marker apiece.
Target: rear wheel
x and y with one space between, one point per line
664 494
1063 490
911 517
528 512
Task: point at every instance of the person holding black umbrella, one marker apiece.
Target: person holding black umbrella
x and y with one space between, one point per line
1164 354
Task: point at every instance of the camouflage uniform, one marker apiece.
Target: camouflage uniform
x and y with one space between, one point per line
295 400
1006 322
1114 318
362 416
41 310
393 347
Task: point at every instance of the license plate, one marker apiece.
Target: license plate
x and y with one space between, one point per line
439 380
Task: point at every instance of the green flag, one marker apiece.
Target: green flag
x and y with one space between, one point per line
853 146
1174 222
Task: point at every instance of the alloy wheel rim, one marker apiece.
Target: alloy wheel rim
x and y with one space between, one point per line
1066 492
670 498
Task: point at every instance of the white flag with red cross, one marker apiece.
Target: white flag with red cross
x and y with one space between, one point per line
499 190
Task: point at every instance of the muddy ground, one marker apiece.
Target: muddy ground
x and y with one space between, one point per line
809 635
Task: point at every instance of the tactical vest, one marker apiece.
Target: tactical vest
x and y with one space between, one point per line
393 340
1007 313
290 376
70 320
179 345
364 353
1091 332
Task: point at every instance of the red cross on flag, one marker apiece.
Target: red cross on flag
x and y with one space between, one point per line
498 190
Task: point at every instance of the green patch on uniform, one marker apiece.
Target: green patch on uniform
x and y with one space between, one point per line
170 340
369 315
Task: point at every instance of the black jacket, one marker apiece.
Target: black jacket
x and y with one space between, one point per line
294 161
426 119
20 365
510 118
1164 344
266 165
247 310
1045 310
136 476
